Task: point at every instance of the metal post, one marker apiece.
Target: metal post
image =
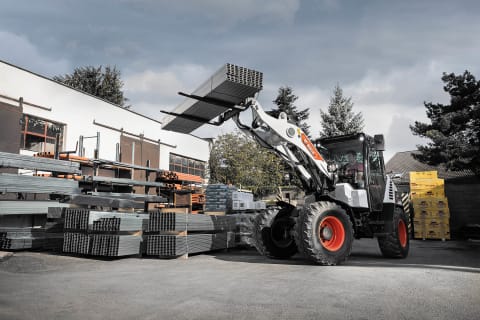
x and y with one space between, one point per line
97 150
133 157
81 150
117 152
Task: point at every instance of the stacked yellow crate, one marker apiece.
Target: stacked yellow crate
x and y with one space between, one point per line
430 206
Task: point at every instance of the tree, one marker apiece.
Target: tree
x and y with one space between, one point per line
105 84
237 159
340 119
454 130
285 103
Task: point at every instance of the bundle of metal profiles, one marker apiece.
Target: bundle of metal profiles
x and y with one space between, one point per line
122 181
131 196
177 245
115 245
230 83
33 184
89 220
82 199
169 221
101 233
13 160
8 207
74 242
21 238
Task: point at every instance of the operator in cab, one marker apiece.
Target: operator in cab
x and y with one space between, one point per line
354 168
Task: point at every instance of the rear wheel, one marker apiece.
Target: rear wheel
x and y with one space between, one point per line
272 233
324 233
396 244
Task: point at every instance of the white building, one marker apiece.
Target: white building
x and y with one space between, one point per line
34 109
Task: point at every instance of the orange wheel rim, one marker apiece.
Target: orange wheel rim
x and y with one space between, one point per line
402 233
331 233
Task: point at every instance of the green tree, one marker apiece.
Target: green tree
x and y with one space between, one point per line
454 130
340 119
105 84
285 102
237 159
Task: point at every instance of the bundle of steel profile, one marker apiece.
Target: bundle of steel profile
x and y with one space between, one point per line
131 196
76 219
90 220
177 245
75 242
114 245
231 83
21 238
16 207
90 200
32 184
13 160
116 222
169 221
122 181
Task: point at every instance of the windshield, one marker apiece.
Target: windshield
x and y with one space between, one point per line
344 152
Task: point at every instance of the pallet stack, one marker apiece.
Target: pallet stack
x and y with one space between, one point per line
173 234
430 206
98 233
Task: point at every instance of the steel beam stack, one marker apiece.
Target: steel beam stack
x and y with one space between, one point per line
174 234
169 221
13 160
178 245
33 184
230 83
21 238
99 233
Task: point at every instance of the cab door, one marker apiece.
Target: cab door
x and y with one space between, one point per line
376 179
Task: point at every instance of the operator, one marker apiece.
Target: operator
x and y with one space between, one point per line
354 168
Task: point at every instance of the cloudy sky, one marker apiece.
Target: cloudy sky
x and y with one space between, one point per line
388 56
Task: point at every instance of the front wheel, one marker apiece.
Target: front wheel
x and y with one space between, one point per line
324 233
397 243
272 233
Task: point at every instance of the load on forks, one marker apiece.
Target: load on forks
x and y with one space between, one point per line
348 194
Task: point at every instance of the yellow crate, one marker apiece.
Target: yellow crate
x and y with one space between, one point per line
414 175
438 223
436 193
422 203
439 202
431 234
431 213
423 184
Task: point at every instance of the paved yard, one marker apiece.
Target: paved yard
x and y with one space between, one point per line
439 280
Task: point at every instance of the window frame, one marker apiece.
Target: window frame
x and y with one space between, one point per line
24 132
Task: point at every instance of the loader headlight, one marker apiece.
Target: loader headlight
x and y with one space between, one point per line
332 167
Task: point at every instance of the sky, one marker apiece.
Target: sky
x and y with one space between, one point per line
388 56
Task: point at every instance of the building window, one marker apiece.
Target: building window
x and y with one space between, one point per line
187 165
39 134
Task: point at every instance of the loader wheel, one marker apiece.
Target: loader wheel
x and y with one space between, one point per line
324 233
272 234
396 244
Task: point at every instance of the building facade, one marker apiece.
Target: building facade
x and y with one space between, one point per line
37 112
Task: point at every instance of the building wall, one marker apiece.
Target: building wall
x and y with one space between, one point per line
464 203
79 110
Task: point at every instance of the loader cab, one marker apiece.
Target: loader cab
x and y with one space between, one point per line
357 159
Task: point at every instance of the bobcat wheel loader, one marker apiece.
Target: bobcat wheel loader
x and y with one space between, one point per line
340 203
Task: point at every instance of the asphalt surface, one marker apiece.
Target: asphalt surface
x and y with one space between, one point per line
439 280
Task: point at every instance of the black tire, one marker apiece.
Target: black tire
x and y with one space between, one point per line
396 244
324 233
272 234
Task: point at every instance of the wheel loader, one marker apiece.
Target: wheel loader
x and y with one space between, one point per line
348 194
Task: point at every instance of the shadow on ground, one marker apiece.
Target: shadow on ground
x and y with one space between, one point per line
453 255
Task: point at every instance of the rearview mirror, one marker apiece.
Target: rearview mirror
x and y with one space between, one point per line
379 142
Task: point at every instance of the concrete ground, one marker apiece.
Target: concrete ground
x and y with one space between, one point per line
439 280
